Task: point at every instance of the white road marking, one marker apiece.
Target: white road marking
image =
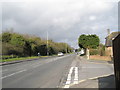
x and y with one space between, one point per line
91 79
101 76
66 86
71 69
82 80
13 74
37 65
69 78
76 76
68 82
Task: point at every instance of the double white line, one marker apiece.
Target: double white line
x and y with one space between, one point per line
76 76
68 82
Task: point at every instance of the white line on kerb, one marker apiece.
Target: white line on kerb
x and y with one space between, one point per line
13 74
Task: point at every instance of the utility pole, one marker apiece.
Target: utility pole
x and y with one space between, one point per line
47 44
66 48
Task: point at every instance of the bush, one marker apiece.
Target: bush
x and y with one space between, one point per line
8 56
100 52
6 37
8 49
94 52
27 45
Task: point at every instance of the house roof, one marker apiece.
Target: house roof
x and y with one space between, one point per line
110 37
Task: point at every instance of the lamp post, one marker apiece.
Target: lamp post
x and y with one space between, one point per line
47 44
66 48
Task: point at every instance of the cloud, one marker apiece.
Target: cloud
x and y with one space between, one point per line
92 18
65 20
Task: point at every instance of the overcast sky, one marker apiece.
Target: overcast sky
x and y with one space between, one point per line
65 20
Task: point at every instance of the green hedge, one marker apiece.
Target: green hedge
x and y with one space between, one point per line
100 52
8 56
94 52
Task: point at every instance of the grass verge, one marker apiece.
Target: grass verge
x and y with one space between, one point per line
21 58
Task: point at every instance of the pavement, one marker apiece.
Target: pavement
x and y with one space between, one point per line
93 74
100 82
68 71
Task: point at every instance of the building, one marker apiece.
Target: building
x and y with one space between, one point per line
108 43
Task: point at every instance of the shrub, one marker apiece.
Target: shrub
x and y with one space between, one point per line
8 49
94 52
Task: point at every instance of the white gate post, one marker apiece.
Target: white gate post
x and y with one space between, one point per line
88 54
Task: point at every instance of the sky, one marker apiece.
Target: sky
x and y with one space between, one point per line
64 20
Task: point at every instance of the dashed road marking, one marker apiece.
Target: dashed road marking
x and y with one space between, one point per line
76 76
12 74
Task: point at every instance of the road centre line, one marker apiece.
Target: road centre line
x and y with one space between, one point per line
13 74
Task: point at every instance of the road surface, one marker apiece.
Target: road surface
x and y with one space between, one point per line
51 72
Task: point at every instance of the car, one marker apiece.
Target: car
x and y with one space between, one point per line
60 54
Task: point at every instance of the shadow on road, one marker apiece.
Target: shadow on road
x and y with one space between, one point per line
106 82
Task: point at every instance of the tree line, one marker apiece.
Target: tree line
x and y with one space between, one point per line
29 45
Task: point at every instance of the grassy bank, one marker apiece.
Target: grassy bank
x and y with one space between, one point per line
21 58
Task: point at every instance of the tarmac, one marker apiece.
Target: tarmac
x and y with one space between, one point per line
99 82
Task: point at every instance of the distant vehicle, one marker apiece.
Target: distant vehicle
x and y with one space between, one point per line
82 51
60 54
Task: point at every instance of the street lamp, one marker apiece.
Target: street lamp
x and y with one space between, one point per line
47 44
66 48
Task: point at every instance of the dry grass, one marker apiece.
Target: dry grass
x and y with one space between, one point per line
98 57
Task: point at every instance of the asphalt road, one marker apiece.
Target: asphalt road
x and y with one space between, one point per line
53 72
43 73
